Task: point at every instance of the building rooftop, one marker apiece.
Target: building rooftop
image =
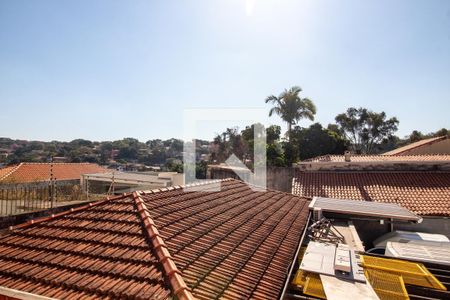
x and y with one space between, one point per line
131 176
234 243
334 262
424 193
414 146
380 158
32 172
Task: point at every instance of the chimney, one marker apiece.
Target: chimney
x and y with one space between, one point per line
347 155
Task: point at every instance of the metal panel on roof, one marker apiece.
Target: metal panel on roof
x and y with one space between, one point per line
319 258
433 252
340 289
364 208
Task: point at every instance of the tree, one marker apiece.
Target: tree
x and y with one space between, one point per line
415 136
275 155
442 132
227 143
365 129
201 169
273 133
316 141
174 165
291 107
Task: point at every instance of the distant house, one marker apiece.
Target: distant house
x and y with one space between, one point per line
420 183
120 182
436 145
4 153
38 172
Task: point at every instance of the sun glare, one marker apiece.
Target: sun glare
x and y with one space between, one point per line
249 7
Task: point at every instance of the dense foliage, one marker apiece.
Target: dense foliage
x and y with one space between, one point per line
365 129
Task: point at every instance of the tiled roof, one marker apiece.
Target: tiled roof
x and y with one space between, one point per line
381 158
30 172
98 250
232 244
417 144
6 170
424 193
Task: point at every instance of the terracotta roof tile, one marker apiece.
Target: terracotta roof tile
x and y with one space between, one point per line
234 243
424 193
30 172
381 158
100 251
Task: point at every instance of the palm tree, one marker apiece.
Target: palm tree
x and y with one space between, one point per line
291 107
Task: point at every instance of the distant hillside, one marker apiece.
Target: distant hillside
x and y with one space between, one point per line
127 150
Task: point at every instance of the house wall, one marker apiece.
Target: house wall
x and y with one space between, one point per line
278 178
374 166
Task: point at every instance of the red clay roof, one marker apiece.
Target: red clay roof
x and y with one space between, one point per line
421 143
381 158
424 193
30 172
233 244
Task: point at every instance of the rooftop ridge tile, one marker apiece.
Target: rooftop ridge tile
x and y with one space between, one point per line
177 284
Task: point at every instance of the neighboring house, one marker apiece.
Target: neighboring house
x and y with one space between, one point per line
424 193
165 244
120 182
436 145
419 183
37 172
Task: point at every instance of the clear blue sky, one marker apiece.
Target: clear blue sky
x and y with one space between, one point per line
104 70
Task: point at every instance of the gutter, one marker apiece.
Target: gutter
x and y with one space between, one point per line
291 269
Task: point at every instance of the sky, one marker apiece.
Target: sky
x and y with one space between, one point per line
104 70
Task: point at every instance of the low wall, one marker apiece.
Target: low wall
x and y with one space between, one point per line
278 178
7 221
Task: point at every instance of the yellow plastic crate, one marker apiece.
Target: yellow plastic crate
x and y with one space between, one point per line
299 278
412 273
388 286
313 286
